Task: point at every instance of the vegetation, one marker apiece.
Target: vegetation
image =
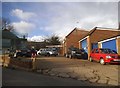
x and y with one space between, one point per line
6 25
53 40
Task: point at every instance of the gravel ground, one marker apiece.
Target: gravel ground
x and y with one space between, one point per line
79 69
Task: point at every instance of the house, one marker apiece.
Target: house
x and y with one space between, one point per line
8 39
11 41
101 38
37 45
72 39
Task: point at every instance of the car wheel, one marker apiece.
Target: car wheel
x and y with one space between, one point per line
102 61
91 60
48 54
66 55
70 56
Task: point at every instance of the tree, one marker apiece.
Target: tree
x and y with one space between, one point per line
53 40
6 24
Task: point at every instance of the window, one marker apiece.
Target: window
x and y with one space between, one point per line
97 51
108 51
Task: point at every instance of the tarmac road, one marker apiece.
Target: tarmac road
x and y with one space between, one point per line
13 77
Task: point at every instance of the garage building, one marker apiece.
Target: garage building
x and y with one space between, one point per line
73 38
107 38
112 43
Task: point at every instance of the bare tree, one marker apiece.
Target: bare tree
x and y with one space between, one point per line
53 40
6 24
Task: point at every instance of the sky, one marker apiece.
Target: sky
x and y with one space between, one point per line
40 19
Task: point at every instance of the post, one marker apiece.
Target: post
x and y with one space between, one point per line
33 57
33 62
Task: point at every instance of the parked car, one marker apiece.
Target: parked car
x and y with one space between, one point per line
76 53
42 52
47 52
11 53
52 51
22 53
104 55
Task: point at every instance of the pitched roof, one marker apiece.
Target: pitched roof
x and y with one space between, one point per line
107 32
6 34
78 29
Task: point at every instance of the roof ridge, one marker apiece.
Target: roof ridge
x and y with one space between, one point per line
109 29
105 28
82 29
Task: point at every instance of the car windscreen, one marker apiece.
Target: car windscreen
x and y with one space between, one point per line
108 51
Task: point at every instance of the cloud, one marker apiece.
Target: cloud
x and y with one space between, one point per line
61 18
61 1
67 16
36 38
23 27
23 15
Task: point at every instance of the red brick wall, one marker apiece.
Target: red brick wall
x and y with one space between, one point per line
118 45
89 45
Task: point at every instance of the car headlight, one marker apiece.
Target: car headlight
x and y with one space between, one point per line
51 52
73 51
108 57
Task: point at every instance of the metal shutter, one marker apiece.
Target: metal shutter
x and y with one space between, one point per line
110 44
84 45
94 45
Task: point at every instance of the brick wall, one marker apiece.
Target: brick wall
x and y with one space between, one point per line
99 35
21 63
118 45
89 45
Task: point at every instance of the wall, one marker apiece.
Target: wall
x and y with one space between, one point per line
118 45
89 45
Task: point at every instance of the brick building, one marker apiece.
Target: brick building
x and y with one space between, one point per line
73 38
102 38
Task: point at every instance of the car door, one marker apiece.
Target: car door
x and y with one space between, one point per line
93 54
96 55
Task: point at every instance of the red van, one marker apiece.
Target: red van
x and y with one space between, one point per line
104 55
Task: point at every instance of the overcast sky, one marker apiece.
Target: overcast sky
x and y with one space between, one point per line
40 19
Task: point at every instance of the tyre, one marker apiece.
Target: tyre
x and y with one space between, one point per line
48 54
66 55
70 56
102 61
91 60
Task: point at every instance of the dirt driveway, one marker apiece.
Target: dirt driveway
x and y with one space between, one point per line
79 69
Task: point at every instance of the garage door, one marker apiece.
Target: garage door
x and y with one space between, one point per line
84 45
110 44
94 45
